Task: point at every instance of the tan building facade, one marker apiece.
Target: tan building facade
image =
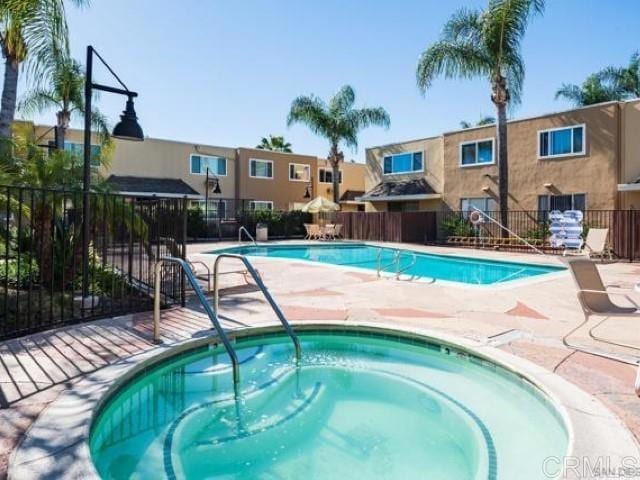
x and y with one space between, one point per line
246 178
587 158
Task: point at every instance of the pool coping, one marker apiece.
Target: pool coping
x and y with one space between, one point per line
56 444
508 284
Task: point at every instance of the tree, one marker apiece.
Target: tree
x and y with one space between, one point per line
275 143
485 44
485 120
31 31
338 122
626 80
64 92
592 91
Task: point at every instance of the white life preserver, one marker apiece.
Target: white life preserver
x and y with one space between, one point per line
475 217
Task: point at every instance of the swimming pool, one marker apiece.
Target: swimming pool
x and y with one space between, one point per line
359 405
417 264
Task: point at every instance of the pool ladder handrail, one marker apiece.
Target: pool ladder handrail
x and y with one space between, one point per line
246 232
256 277
213 317
396 261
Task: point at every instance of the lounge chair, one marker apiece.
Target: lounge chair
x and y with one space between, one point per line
329 232
595 299
595 244
337 232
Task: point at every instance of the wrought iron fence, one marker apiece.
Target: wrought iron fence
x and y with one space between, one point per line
41 254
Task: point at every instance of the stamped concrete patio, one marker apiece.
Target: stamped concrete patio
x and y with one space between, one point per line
526 320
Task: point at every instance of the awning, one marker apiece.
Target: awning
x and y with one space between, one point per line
351 197
150 186
399 191
629 187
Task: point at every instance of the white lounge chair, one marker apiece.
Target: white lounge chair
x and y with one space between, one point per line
595 245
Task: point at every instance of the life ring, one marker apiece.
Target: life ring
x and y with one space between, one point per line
475 217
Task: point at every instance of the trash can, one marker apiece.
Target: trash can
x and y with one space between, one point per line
262 232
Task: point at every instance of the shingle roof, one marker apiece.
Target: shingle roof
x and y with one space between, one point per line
351 195
406 187
151 185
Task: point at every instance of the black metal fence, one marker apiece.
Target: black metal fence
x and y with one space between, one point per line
41 256
623 225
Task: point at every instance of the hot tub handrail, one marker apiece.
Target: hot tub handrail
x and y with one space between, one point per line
203 301
246 232
399 270
381 268
256 277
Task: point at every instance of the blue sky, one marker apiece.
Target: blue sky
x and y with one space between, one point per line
224 72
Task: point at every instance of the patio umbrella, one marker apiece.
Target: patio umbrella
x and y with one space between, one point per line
319 205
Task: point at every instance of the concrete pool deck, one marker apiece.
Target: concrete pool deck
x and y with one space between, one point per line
527 320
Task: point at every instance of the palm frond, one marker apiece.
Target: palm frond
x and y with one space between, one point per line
37 101
464 25
342 101
463 59
312 112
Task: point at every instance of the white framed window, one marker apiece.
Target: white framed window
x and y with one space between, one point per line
325 175
77 148
570 201
407 162
216 208
299 172
485 204
198 165
259 168
477 152
261 205
562 142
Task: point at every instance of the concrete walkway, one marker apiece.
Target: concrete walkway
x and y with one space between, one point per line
525 320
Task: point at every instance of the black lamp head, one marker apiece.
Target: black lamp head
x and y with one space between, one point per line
128 127
307 193
216 189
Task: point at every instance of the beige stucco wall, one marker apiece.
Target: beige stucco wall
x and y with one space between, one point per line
280 190
433 172
594 173
170 159
630 170
352 178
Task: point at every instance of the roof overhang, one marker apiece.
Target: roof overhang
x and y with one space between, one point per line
629 187
161 195
401 198
352 202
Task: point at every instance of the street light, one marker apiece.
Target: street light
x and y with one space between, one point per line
215 190
127 129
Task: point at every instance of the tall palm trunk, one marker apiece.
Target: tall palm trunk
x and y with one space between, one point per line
500 97
335 158
9 95
64 119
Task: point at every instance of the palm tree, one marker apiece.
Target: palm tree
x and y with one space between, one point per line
275 143
485 44
64 92
31 31
592 91
338 122
624 79
485 120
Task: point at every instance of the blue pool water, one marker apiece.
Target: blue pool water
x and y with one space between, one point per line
417 264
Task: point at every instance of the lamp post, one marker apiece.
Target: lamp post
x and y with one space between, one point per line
216 190
127 129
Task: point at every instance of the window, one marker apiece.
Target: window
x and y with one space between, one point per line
558 142
216 208
325 175
573 201
78 150
260 168
403 163
478 152
299 172
260 205
485 204
217 165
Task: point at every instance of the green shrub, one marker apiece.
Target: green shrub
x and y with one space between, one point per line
280 224
196 227
29 271
457 227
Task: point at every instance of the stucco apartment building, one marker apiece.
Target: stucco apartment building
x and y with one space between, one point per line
246 178
586 158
